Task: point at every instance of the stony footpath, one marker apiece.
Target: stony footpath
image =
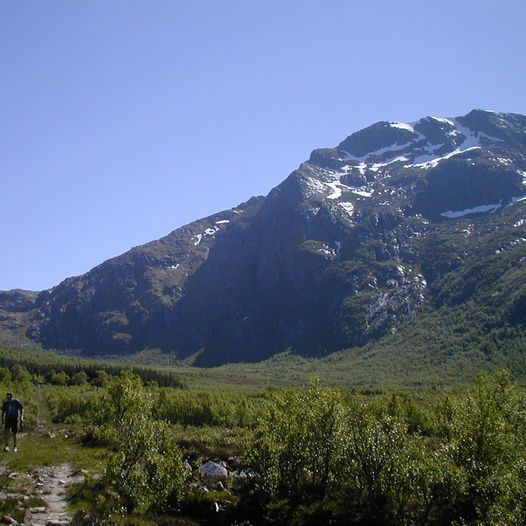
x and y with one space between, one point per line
48 483
38 494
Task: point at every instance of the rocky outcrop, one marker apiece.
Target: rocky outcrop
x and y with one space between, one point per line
17 307
17 300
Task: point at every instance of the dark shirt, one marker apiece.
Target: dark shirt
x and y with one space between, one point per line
10 408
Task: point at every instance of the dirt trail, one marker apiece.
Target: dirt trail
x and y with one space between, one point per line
50 484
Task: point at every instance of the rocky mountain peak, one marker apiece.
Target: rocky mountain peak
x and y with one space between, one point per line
341 253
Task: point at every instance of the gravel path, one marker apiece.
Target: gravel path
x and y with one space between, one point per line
50 485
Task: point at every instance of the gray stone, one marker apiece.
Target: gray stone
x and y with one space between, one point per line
63 521
214 471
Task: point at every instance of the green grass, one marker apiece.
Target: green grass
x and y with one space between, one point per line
37 449
50 445
212 442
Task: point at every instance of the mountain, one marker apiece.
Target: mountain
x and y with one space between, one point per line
396 224
14 308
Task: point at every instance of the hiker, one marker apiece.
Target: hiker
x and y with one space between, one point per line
12 410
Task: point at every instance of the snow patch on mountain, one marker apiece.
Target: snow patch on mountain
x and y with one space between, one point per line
362 167
336 190
377 166
402 126
451 214
419 152
312 187
429 161
443 120
362 192
471 142
377 153
348 207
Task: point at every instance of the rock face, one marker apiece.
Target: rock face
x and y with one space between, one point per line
342 252
16 309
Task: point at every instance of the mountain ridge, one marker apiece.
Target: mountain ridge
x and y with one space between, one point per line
339 254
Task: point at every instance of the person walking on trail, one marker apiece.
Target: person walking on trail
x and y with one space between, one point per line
12 413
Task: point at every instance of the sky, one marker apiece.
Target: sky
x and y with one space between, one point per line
121 120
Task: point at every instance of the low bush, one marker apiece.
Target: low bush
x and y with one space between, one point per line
319 457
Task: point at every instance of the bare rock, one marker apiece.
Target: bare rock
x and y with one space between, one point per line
63 521
213 470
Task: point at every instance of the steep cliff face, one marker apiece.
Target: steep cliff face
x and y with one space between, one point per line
342 252
124 304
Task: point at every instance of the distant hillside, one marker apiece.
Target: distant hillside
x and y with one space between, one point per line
406 237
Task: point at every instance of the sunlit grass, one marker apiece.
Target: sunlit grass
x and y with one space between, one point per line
37 449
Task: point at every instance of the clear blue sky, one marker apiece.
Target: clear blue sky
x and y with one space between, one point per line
121 120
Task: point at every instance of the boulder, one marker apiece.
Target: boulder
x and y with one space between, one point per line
213 470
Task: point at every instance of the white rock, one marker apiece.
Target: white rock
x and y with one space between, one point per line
213 470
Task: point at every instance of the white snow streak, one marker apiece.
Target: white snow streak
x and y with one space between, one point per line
401 126
381 151
314 186
361 168
376 166
336 190
348 207
363 193
429 161
476 210
443 120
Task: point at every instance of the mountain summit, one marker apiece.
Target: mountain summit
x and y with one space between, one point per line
396 220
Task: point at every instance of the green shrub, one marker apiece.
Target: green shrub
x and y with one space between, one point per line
319 458
298 444
58 378
482 436
67 402
147 467
80 378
